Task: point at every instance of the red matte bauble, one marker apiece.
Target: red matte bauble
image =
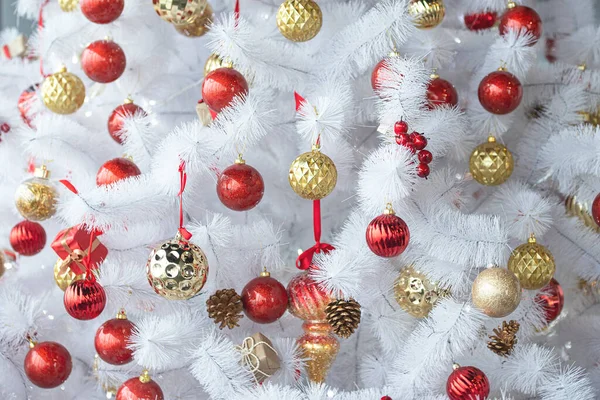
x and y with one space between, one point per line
596 209
480 21
28 238
117 116
25 102
84 299
265 299
521 18
103 61
467 383
135 389
240 187
552 300
387 235
101 11
500 92
440 92
48 364
112 339
380 70
115 170
221 86
308 299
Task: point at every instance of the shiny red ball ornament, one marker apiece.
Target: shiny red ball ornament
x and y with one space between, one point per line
117 116
265 299
467 383
112 339
221 86
240 187
440 92
28 238
386 398
140 388
26 100
552 299
103 61
480 21
84 299
520 18
48 364
423 170
102 11
380 70
387 235
115 170
500 92
596 209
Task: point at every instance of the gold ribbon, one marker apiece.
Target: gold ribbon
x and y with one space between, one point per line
250 359
75 255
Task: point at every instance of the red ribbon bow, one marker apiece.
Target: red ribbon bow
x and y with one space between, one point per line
304 260
187 235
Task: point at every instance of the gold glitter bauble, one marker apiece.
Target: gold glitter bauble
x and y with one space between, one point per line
496 292
63 92
299 20
64 276
491 163
177 269
214 61
427 13
533 264
180 12
319 348
313 175
415 293
36 197
581 210
199 26
68 5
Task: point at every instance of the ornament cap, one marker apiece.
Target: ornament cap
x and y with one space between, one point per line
128 100
434 75
316 147
455 366
491 139
32 343
240 159
511 4
394 53
41 172
62 68
145 376
265 273
582 67
122 314
389 210
531 238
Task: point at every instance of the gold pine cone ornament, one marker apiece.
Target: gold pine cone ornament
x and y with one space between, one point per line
491 163
496 292
63 92
533 264
214 61
343 316
299 20
313 175
415 293
64 276
180 12
427 14
36 197
199 26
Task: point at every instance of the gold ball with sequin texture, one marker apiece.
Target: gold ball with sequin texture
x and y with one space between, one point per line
199 26
177 269
427 14
68 5
63 92
313 175
214 61
299 20
533 264
496 292
180 12
491 163
64 276
36 197
415 293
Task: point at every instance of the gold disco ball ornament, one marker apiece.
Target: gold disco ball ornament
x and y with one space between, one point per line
313 175
177 269
415 293
63 92
214 61
68 5
427 14
36 197
491 163
199 26
180 12
496 292
299 20
533 264
64 276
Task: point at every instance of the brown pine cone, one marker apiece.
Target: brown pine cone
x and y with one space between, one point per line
343 316
225 307
504 338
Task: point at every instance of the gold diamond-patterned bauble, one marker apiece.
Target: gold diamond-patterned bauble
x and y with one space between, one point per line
533 264
343 316
415 293
313 175
199 26
36 197
299 20
214 61
581 210
491 163
225 308
496 292
68 5
427 13
64 276
177 269
179 12
63 92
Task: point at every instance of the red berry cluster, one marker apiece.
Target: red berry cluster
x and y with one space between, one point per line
415 141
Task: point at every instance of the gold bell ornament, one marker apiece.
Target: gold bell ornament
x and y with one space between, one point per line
180 12
496 292
36 197
427 14
63 92
533 264
214 61
491 163
313 175
68 5
299 20
64 276
415 293
199 26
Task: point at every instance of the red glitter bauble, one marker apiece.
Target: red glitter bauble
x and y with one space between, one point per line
84 299
48 364
112 339
308 299
480 21
240 187
221 86
265 299
596 209
387 235
552 299
102 11
117 116
379 71
522 18
28 238
440 92
26 100
500 92
115 170
103 61
467 383
140 389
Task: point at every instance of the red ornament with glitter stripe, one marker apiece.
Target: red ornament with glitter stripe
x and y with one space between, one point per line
48 364
103 61
521 18
102 11
467 383
387 235
117 116
240 187
116 170
265 299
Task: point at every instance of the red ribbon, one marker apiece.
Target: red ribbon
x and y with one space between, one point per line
304 260
182 182
236 12
6 51
69 185
299 101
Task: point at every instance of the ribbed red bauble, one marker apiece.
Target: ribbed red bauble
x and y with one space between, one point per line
221 86
596 209
115 170
440 92
519 18
500 92
84 299
103 61
480 21
240 187
28 238
142 388
552 299
112 339
388 235
102 11
116 118
308 299
48 364
467 383
265 299
26 99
